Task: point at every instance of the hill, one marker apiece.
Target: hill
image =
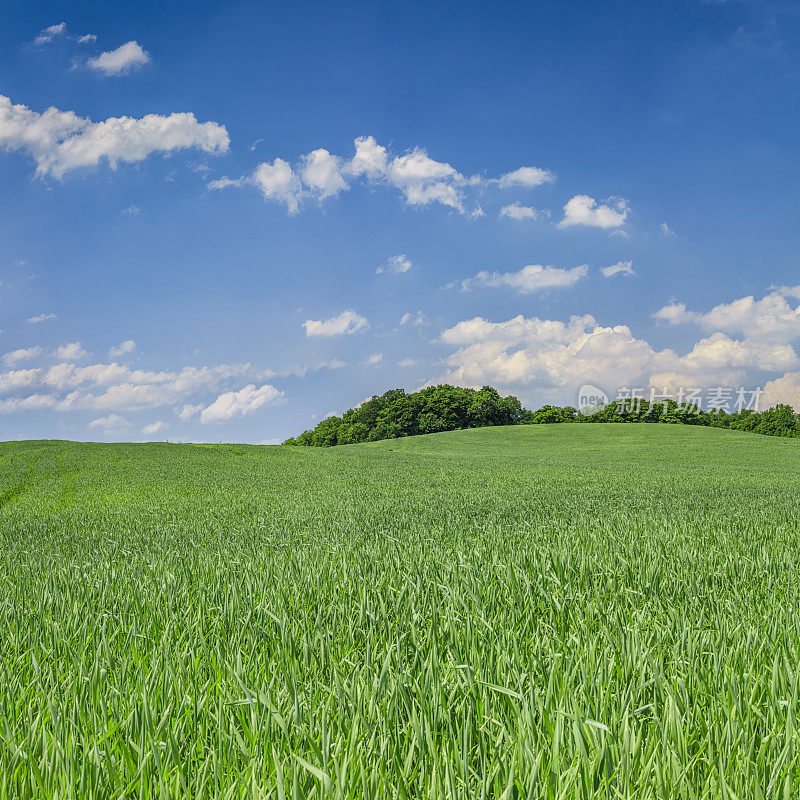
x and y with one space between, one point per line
542 607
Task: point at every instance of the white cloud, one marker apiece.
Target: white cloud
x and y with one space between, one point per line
520 212
420 179
407 362
322 173
417 319
132 210
109 423
584 210
546 352
370 160
126 58
41 318
771 317
123 348
345 323
277 181
397 264
153 427
238 404
373 360
87 38
526 176
666 231
115 388
423 180
18 379
22 354
620 268
785 389
34 402
533 278
789 291
71 351
554 356
190 410
61 141
48 34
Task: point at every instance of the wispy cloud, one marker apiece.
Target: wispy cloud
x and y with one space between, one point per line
41 318
620 268
398 264
48 34
533 278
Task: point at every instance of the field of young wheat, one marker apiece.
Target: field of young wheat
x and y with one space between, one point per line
571 611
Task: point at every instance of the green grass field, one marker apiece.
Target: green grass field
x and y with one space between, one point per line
566 611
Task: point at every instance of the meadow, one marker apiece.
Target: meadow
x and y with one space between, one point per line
565 611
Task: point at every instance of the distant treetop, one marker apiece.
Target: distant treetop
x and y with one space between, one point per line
449 408
430 410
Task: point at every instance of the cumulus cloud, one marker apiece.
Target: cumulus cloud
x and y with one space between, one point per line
525 176
153 428
17 379
70 351
61 141
771 317
584 210
520 212
345 323
126 58
41 318
87 38
110 423
113 387
123 348
785 389
48 34
22 354
238 404
319 175
373 360
789 291
276 181
33 402
322 173
548 352
371 159
620 268
117 387
555 356
420 179
397 264
533 278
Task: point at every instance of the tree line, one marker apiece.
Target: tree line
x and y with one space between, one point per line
448 408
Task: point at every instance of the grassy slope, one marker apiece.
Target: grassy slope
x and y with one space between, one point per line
435 614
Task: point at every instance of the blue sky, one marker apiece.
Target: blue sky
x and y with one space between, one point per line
222 222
